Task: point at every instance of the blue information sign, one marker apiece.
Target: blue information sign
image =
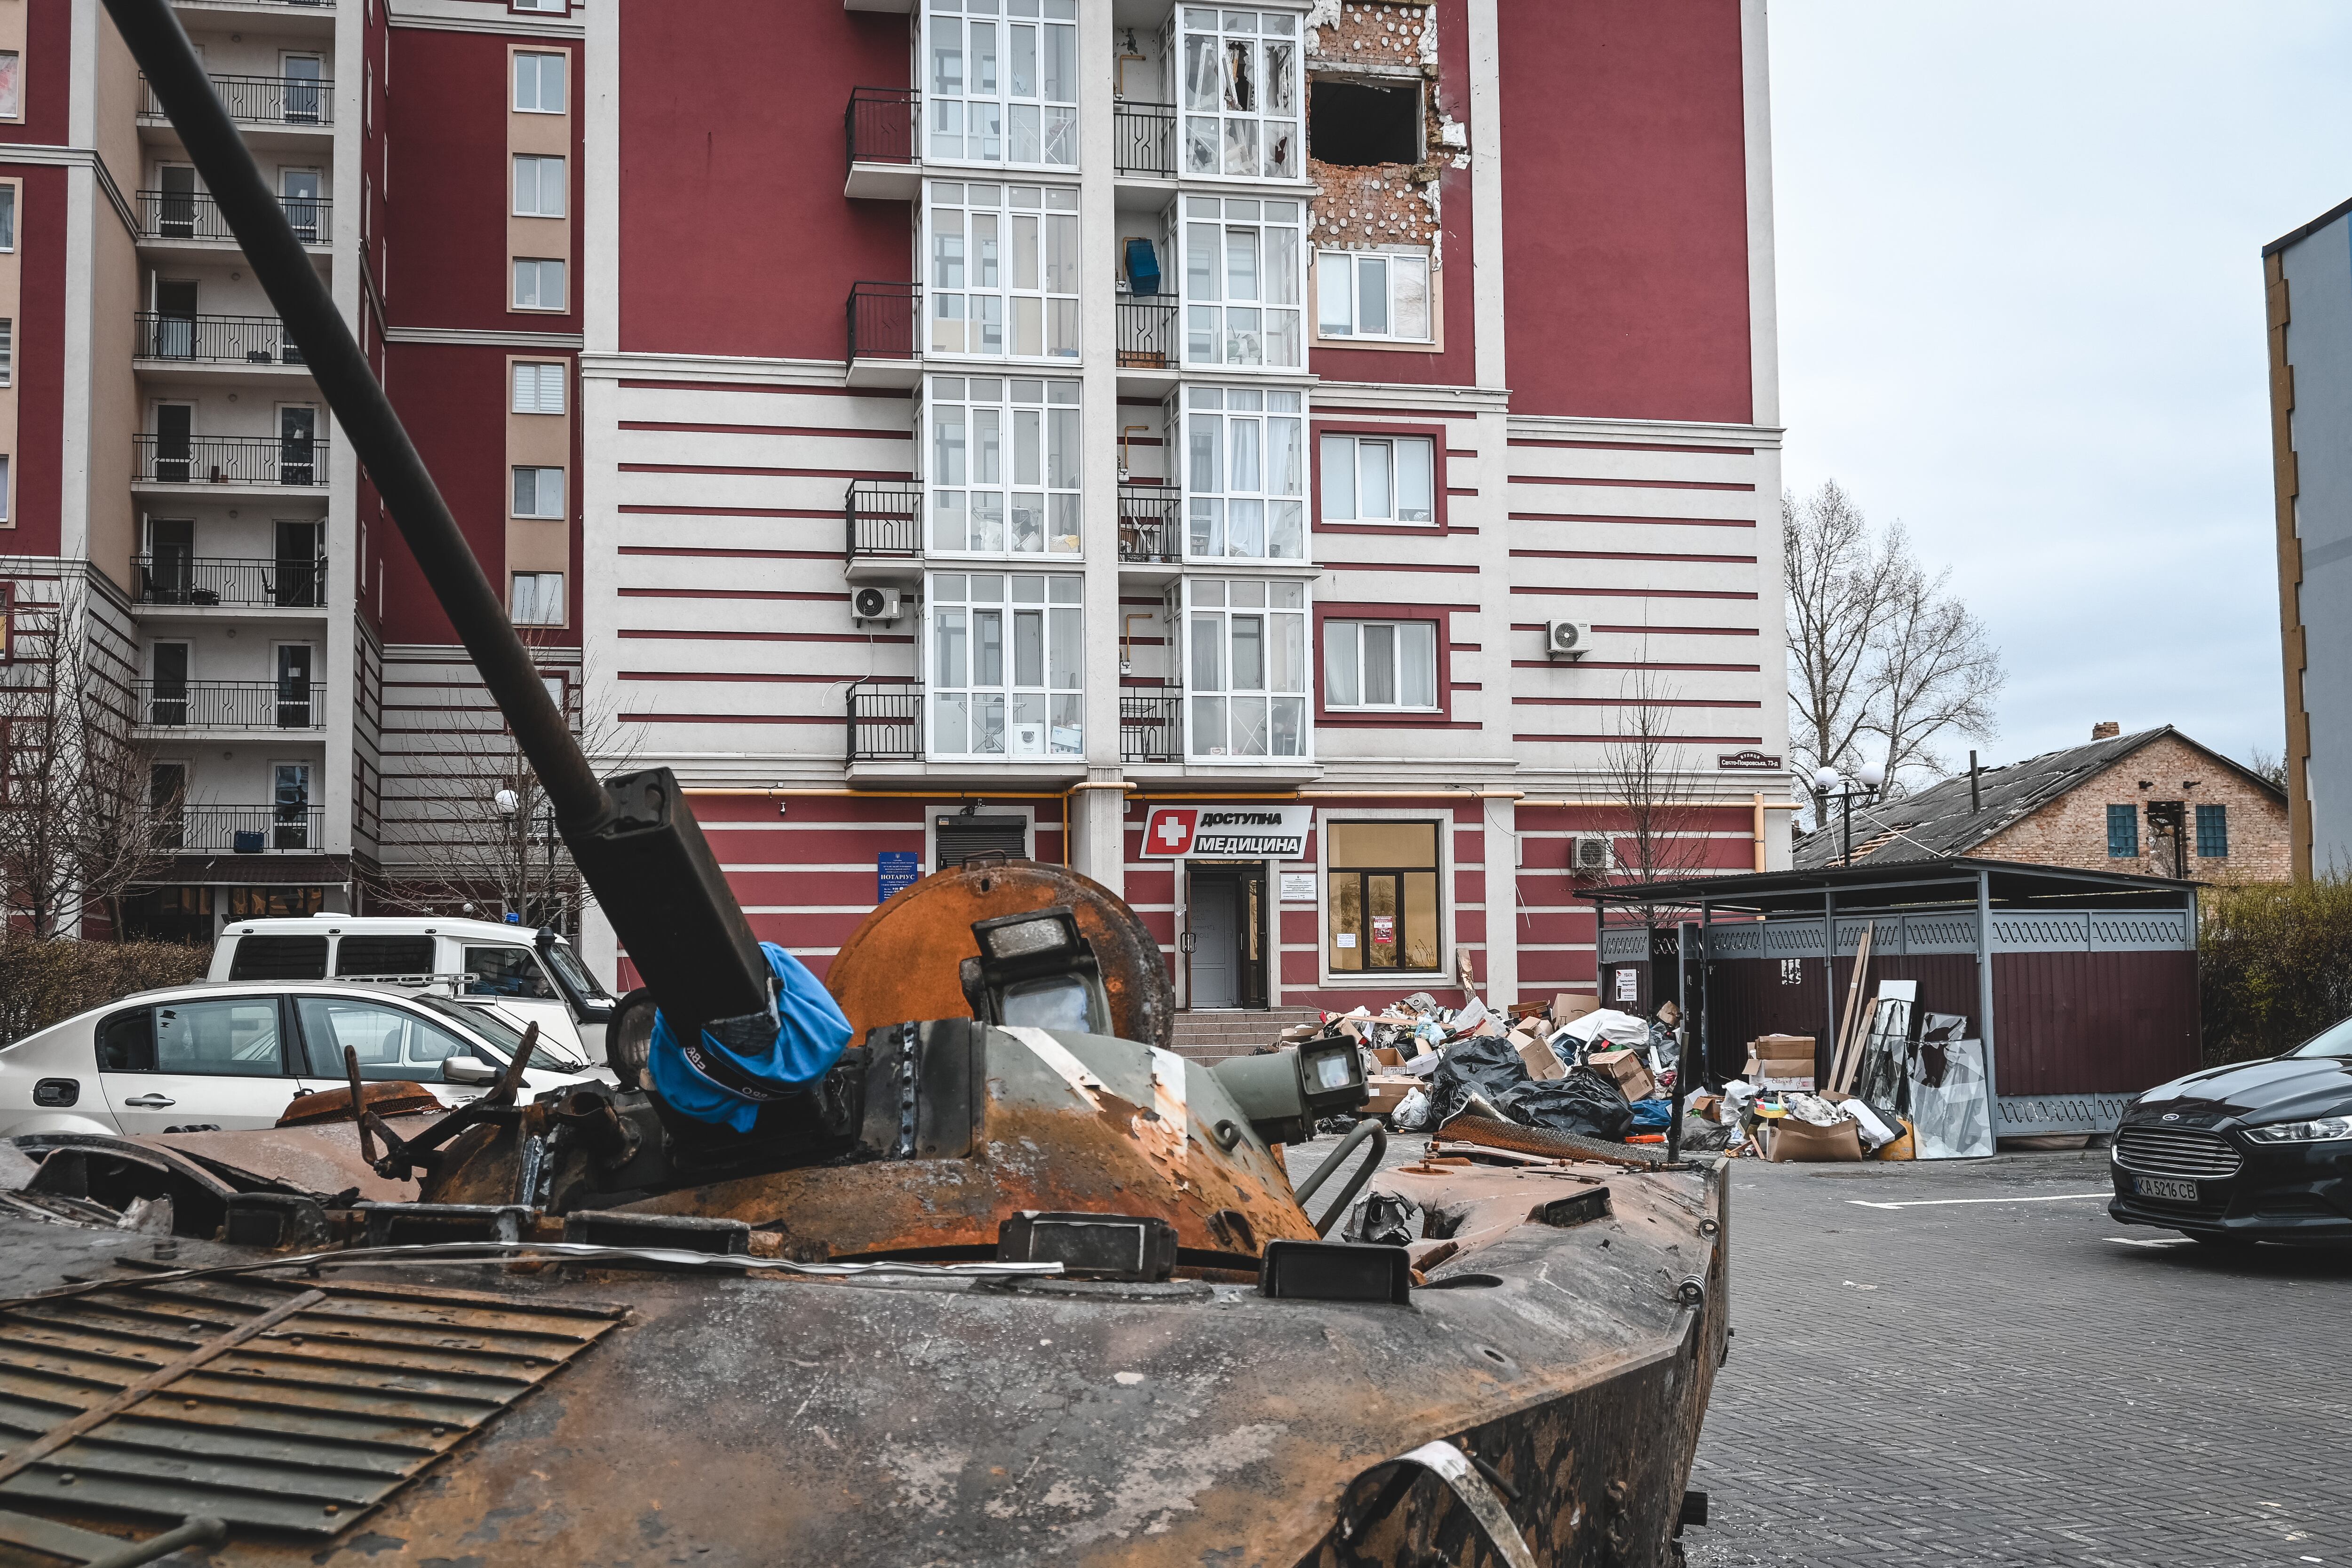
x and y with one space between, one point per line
894 871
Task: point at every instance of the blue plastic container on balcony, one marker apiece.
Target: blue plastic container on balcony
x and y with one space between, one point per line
1142 267
246 843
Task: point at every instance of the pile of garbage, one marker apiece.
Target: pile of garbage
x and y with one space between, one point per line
1568 1065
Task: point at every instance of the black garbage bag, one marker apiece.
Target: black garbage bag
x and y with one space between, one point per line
1488 1065
1584 1101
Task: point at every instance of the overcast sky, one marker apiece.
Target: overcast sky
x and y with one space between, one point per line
2022 310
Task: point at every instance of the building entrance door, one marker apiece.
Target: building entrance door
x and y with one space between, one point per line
1226 922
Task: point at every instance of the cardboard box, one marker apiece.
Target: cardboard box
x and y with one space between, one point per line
1792 1140
1388 1056
1626 1068
1388 1091
1780 1061
1781 1045
1569 1006
1543 1062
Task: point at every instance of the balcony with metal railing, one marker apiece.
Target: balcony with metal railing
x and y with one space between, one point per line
281 829
170 580
230 706
301 103
194 215
1143 140
246 461
884 528
885 721
881 127
1150 525
883 319
256 340
1150 720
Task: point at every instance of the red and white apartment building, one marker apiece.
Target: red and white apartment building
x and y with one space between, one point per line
1268 457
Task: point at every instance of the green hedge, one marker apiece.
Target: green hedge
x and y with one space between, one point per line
44 980
2276 965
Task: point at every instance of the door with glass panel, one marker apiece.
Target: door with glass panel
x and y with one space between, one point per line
293 685
305 89
300 189
290 806
167 701
173 335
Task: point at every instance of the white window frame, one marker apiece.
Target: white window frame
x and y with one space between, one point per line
1003 269
7 352
1345 278
1243 265
1244 474
539 265
1348 646
531 605
527 80
1240 94
1231 712
537 386
531 199
538 483
1368 455
1003 462
9 189
972 60
1008 717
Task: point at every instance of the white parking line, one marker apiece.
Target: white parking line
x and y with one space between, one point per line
1941 1202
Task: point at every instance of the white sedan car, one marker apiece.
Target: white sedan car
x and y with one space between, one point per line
232 1054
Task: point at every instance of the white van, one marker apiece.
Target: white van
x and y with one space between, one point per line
535 976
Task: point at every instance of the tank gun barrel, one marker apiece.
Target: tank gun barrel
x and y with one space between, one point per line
633 839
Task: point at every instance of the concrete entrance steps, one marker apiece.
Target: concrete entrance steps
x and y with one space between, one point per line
1211 1036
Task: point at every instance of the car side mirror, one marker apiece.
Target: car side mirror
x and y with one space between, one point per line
468 1070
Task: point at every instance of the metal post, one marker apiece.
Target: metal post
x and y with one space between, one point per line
1684 1059
1984 999
1828 973
1845 801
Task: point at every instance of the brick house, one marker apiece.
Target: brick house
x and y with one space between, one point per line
2154 802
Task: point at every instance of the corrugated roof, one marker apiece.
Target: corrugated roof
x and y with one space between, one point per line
1937 820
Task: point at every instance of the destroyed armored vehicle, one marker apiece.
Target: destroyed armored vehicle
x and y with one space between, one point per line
956 1262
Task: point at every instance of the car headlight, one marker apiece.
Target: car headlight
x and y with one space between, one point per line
2324 1129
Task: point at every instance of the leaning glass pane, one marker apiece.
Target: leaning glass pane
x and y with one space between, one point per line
1199 144
1200 73
1249 738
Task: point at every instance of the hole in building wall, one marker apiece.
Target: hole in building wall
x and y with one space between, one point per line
1356 126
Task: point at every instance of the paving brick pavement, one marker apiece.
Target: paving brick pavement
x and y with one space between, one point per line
2004 1383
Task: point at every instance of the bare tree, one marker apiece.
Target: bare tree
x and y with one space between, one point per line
2268 765
481 823
79 823
1647 768
1879 649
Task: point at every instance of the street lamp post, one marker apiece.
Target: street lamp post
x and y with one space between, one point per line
1831 785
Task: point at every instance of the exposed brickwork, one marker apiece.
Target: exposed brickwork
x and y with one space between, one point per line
2073 829
1387 204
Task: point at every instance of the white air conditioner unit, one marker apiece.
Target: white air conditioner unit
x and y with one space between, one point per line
1568 639
1591 852
874 604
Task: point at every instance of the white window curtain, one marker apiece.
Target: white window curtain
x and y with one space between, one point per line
1003 89
1003 274
1379 293
1003 469
1378 479
1244 474
1243 280
1246 667
1387 664
1007 661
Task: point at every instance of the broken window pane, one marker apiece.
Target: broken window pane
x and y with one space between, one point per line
1241 75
